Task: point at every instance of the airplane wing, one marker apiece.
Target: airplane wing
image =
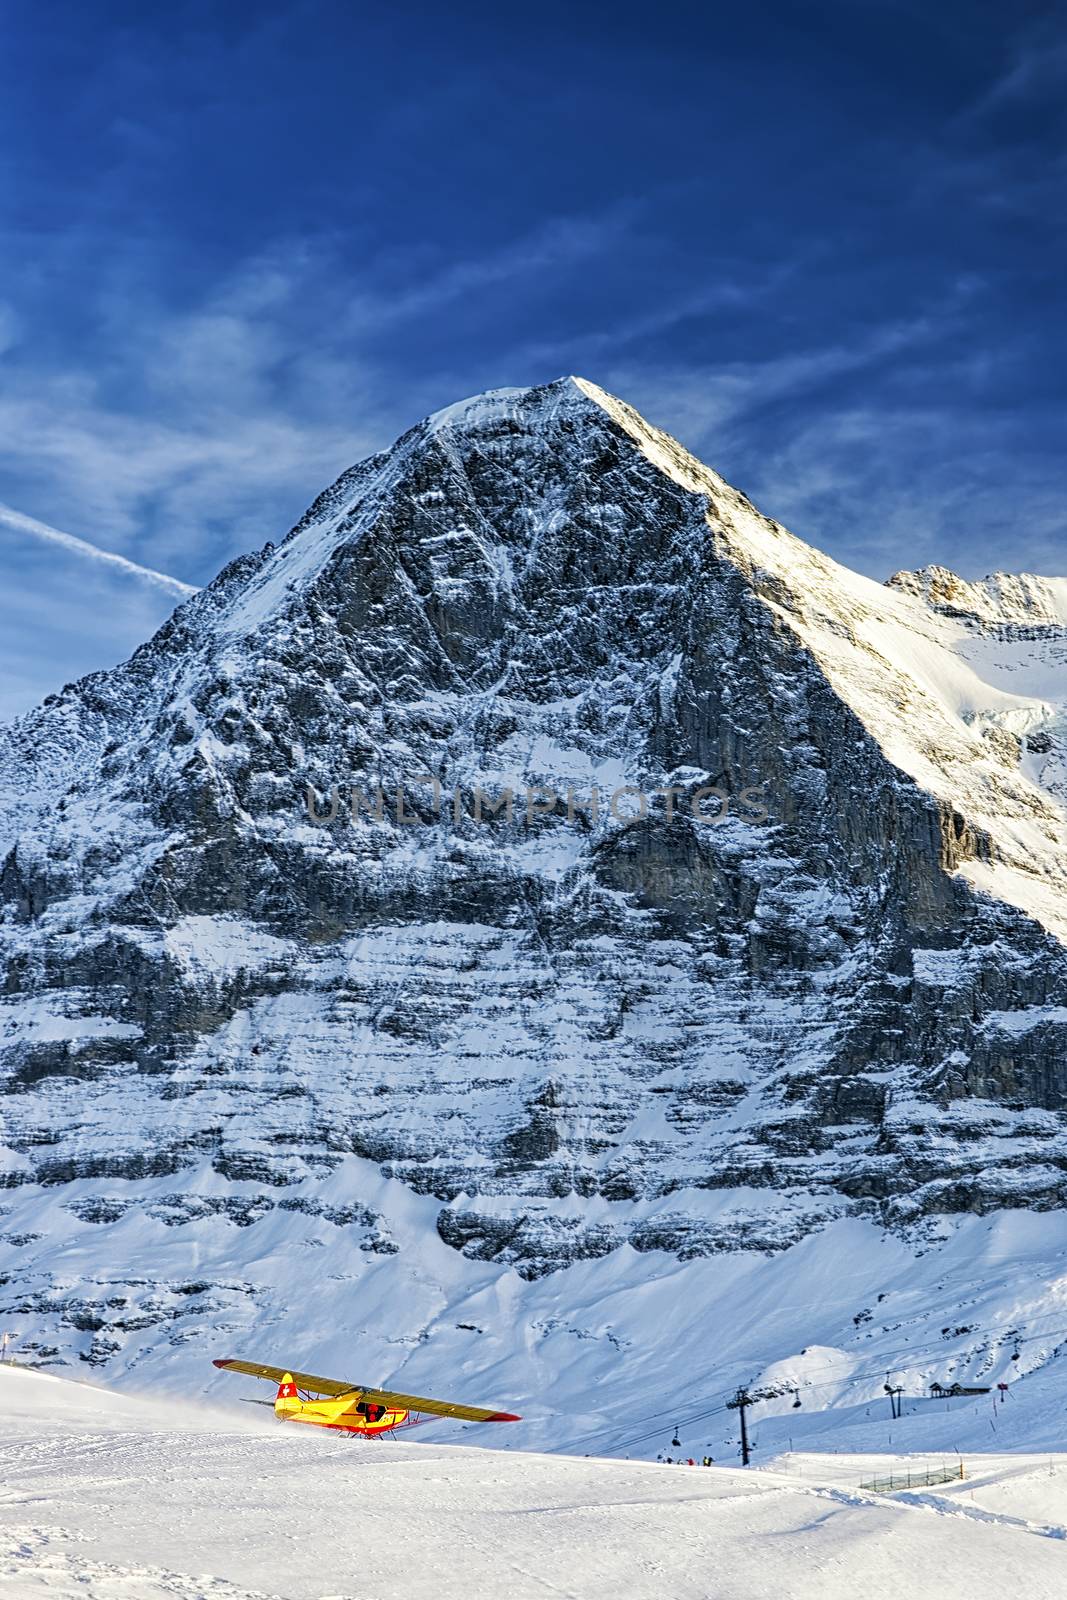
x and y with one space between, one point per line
387 1397
303 1380
437 1408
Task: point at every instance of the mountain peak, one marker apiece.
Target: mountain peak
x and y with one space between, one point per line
1022 598
540 851
542 401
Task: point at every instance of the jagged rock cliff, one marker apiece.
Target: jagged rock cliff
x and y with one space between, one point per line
803 958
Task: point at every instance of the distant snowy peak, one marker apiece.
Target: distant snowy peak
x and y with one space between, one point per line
1002 597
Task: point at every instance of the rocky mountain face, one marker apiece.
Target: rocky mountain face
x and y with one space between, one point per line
771 931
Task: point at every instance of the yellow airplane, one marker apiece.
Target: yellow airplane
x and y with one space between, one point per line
352 1407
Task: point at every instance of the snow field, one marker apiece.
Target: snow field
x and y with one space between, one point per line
107 1496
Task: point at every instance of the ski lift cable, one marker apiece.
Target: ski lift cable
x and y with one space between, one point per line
847 1381
627 1444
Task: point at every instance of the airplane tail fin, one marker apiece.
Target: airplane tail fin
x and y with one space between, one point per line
286 1402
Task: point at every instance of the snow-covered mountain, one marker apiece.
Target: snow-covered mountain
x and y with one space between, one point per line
1002 600
413 1069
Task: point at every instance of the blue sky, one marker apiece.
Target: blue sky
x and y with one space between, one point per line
242 246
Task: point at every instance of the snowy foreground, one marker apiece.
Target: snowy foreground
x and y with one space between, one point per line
107 1497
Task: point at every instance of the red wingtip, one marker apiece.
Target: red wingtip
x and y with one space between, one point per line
223 1363
503 1416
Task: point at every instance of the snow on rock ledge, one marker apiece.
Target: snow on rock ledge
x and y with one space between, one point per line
554 1032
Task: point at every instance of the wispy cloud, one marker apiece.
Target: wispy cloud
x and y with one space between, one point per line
710 406
559 244
194 433
91 552
854 448
175 437
949 506
1037 69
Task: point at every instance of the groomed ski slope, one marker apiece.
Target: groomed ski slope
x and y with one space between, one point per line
108 1497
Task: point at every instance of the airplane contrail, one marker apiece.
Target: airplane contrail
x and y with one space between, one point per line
82 547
